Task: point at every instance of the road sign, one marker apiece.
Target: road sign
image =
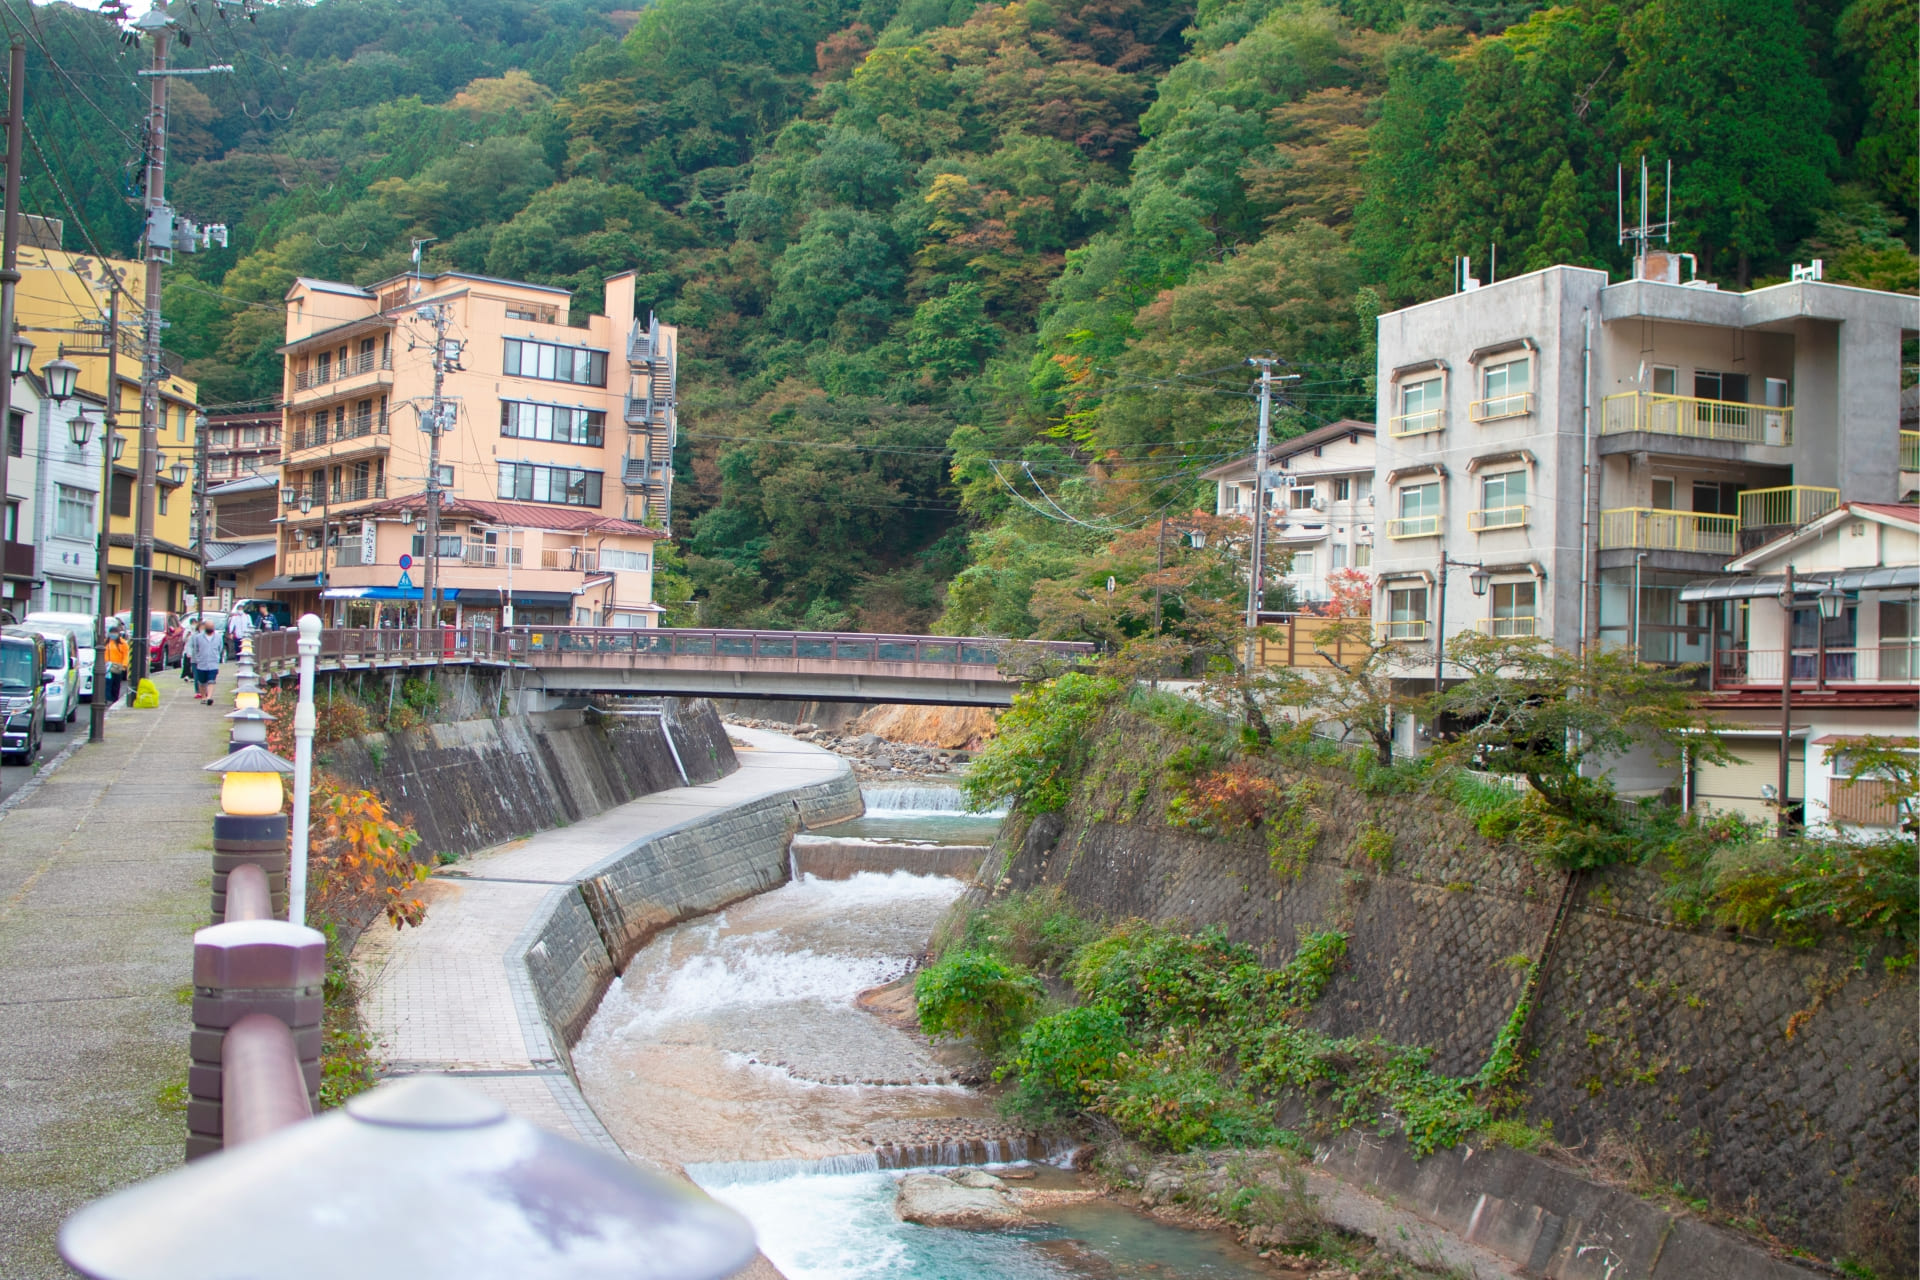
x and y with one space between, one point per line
406 581
406 562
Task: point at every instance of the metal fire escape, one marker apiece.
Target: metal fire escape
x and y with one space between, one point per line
647 469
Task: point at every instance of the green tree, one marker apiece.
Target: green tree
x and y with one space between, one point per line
1562 234
1742 116
950 335
1879 34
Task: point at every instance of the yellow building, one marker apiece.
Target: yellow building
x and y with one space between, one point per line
61 307
555 463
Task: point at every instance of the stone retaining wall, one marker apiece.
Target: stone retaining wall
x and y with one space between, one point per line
470 784
1777 1083
594 927
831 858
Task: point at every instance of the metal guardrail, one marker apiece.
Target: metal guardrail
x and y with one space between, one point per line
1517 405
1654 529
1417 424
1910 450
559 646
1693 416
1496 518
1887 664
1792 504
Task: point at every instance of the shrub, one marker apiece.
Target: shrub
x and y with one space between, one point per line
1028 761
1034 930
971 993
1063 1059
1375 845
1180 1101
1802 887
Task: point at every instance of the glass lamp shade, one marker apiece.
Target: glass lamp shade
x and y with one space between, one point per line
1478 580
179 473
60 374
119 445
80 429
251 794
22 354
246 700
1833 603
1199 540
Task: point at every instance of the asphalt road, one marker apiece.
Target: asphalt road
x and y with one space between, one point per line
14 776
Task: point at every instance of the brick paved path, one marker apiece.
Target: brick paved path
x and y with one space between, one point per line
103 878
438 998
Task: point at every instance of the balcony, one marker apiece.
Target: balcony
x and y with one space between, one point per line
1652 529
1509 628
1692 417
570 559
641 474
1417 424
1910 450
352 366
1513 406
1790 505
1894 663
1414 527
1496 518
359 426
488 555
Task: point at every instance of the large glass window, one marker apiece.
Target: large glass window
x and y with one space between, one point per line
634 561
556 363
1419 512
73 512
1899 640
571 486
558 423
1420 407
1407 613
1503 500
1513 608
1504 389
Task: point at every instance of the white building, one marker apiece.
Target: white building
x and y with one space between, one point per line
1852 650
1320 503
53 501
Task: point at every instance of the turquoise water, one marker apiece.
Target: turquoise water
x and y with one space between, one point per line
841 1227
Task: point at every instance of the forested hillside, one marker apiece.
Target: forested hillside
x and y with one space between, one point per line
949 274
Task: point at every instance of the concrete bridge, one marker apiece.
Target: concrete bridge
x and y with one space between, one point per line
806 665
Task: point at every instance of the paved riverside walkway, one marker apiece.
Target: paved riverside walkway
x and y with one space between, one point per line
104 871
440 997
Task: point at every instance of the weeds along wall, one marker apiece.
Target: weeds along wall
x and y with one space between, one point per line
476 773
1777 1083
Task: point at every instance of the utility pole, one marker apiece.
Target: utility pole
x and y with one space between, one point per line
10 253
1259 554
109 436
435 421
155 23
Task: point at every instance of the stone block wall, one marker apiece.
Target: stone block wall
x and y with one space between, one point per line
468 784
1778 1083
702 865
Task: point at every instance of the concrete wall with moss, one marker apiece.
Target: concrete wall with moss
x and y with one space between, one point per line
466 784
1777 1083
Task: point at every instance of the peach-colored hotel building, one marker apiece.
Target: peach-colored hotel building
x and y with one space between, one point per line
556 475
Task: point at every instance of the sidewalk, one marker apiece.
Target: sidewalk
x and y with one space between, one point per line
104 874
439 997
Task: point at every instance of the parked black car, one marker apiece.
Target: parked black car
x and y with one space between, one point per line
23 697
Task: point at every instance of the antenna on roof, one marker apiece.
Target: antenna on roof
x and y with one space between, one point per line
419 248
1648 263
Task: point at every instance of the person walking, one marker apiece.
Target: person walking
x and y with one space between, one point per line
203 652
117 658
239 627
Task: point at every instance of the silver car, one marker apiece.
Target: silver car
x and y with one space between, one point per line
82 625
62 663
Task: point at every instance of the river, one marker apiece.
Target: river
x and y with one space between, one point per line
733 1046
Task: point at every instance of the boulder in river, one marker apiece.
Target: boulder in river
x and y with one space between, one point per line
934 1200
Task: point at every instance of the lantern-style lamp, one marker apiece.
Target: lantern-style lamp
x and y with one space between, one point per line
80 430
180 471
61 374
249 728
1833 602
250 782
1478 580
119 445
22 354
1199 537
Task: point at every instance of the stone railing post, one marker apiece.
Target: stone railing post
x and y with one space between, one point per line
242 838
248 967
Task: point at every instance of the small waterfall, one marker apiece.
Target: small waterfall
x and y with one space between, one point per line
890 1155
735 1173
918 800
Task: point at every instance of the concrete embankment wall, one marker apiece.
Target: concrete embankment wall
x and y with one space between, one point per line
587 931
1778 1083
473 783
832 858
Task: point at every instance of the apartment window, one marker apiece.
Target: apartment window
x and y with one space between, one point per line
1720 386
73 512
1362 555
1407 613
323 367
1504 389
180 431
16 433
69 597
1666 380
634 561
1419 512
527 311
1339 554
1899 640
1420 407
1503 501
1512 609
1342 489
557 423
1663 493
556 363
1302 566
163 495
571 486
1300 499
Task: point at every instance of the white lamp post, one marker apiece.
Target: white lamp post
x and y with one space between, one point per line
303 722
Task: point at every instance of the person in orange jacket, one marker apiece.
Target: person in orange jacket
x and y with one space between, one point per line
117 657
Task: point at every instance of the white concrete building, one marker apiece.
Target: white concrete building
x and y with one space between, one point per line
1320 503
1597 446
1852 651
53 500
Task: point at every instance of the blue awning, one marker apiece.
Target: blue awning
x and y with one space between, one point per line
396 593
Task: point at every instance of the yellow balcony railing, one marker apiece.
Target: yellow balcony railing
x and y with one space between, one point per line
1512 406
1496 518
1697 418
1412 629
1910 450
1792 504
1414 527
1417 424
1509 628
1652 529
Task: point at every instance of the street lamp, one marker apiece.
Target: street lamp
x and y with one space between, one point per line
250 782
22 354
180 472
80 429
1478 580
61 374
119 445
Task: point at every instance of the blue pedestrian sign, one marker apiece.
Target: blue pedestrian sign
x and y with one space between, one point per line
406 581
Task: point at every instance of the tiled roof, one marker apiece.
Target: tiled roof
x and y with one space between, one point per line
523 515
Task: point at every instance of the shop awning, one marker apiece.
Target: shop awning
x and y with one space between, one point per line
471 596
291 582
542 599
1879 578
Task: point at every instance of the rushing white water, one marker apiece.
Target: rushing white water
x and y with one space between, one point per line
918 799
